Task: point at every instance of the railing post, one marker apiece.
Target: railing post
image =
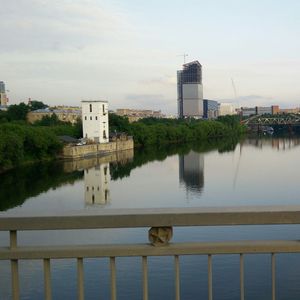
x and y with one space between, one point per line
113 285
80 278
273 276
47 279
145 278
210 289
14 266
177 278
242 285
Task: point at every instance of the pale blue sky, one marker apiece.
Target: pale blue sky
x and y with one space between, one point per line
63 51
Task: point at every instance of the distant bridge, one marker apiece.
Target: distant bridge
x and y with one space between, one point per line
265 120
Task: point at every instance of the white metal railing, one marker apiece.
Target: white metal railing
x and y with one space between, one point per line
161 222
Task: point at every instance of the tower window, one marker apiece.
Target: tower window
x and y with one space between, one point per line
103 109
96 118
104 134
85 117
90 107
91 118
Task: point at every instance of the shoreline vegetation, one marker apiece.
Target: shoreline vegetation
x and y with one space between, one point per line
22 142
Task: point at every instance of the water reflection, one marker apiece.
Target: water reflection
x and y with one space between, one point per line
279 143
97 174
191 171
96 185
105 174
28 181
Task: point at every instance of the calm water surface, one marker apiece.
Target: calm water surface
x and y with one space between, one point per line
252 172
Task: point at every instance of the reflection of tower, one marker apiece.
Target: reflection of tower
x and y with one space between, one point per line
96 184
191 171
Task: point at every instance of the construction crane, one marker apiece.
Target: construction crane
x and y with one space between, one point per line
184 56
234 89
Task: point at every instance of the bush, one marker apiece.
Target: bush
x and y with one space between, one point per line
20 142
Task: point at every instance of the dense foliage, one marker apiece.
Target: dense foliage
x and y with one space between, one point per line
17 112
152 131
21 142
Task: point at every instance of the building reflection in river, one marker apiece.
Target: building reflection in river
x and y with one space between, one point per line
97 174
191 171
279 143
96 185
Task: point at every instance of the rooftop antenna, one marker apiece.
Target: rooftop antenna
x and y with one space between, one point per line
184 56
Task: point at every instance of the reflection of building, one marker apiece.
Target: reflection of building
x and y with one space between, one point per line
281 144
95 121
191 171
96 184
190 90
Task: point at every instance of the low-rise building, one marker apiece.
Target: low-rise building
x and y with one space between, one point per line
226 109
290 110
64 115
260 110
248 111
137 114
210 109
275 109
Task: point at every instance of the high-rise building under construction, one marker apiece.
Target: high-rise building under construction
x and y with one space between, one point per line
190 90
3 97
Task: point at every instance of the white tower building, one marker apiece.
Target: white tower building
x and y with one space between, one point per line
95 121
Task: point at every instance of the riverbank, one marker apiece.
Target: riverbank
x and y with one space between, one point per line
152 131
81 151
23 143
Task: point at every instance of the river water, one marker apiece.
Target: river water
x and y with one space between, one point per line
256 171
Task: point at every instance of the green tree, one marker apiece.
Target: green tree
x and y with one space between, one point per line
34 105
17 111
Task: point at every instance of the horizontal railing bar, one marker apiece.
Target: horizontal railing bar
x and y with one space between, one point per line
126 250
127 218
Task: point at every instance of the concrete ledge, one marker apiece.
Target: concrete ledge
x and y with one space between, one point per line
126 250
96 149
130 218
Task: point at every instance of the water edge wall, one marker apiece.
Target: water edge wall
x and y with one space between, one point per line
73 151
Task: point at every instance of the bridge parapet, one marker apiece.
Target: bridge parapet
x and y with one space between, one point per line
134 218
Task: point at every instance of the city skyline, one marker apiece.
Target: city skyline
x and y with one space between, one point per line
128 54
